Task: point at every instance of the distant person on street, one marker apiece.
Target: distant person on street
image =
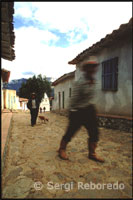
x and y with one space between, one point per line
40 109
33 106
82 110
44 109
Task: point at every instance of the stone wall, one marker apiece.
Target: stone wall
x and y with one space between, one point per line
115 123
122 124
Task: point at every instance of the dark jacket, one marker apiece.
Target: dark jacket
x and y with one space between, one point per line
29 104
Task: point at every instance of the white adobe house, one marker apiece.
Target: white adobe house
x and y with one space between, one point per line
22 104
62 91
114 76
113 98
45 103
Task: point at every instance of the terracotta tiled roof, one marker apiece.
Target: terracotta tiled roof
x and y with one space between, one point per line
64 77
23 99
5 75
7 31
125 30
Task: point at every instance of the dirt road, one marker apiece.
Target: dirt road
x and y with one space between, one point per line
34 170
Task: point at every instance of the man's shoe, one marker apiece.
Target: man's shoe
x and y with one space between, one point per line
92 153
62 150
62 154
96 158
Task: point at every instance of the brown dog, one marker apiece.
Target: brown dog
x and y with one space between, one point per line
42 118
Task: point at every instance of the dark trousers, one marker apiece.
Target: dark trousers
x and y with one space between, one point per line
34 113
86 117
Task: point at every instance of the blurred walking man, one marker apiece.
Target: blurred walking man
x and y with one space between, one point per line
82 111
33 106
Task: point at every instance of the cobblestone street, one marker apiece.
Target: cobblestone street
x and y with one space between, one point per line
34 170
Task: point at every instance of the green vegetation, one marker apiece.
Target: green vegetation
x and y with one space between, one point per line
39 85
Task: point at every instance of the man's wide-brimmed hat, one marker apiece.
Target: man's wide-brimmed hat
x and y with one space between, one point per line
92 60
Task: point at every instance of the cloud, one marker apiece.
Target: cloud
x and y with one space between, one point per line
24 9
33 36
64 30
92 19
27 73
76 36
63 16
25 12
53 33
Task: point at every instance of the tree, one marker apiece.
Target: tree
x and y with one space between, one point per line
38 84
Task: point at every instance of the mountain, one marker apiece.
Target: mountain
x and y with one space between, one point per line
50 79
15 84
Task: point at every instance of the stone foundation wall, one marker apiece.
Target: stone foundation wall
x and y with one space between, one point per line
115 123
107 121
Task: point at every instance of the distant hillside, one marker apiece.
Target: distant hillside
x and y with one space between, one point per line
15 84
50 79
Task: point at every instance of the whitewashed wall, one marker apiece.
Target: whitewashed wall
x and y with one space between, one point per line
118 102
45 103
60 87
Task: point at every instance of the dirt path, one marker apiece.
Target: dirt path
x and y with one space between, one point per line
34 170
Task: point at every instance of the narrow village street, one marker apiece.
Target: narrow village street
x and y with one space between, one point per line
34 170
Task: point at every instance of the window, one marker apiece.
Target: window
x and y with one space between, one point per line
110 74
70 92
14 99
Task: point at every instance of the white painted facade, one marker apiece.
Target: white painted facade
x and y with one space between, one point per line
22 104
62 89
114 102
117 102
18 103
9 99
107 102
45 102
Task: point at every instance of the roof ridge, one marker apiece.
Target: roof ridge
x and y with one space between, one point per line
99 44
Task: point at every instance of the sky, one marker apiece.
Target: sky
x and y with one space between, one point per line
50 34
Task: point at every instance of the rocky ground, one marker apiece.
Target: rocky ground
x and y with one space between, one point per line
34 170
